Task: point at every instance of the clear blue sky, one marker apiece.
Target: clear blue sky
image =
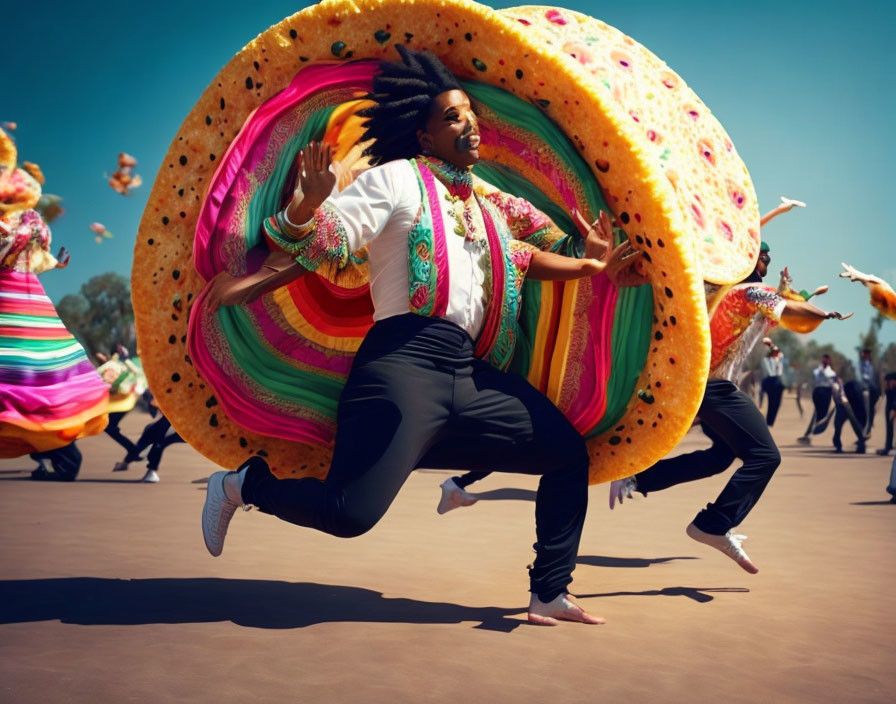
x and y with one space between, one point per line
805 89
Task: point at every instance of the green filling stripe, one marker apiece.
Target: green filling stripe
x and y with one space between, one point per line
310 389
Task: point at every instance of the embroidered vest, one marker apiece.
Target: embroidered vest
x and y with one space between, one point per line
428 276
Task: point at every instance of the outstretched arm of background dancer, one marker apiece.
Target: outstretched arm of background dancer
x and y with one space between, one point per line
803 316
63 258
882 295
786 205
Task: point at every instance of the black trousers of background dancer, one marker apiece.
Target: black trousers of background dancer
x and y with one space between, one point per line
157 436
114 432
871 397
821 399
774 389
737 429
888 409
853 411
417 397
66 463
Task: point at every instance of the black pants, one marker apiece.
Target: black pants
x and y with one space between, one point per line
774 389
891 486
888 443
66 461
872 396
157 436
842 414
852 410
464 480
821 400
737 429
417 397
113 431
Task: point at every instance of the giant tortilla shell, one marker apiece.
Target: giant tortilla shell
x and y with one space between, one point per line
671 128
476 43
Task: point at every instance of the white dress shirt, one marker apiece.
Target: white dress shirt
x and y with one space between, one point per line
773 366
379 209
824 376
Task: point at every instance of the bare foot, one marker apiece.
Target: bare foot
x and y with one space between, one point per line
563 608
454 497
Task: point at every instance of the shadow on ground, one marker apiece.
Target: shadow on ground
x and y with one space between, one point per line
252 603
506 495
23 477
699 594
606 561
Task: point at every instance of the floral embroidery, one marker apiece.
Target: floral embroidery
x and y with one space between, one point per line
427 294
419 297
326 241
29 243
521 254
459 182
527 222
743 315
764 298
505 219
515 259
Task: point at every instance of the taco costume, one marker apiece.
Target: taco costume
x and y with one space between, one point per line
626 367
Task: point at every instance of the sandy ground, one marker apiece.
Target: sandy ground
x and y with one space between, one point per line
108 594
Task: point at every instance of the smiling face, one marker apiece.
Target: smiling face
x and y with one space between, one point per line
451 132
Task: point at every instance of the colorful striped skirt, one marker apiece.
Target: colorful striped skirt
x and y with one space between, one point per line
50 394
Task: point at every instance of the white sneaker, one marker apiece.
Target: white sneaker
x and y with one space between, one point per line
730 544
622 488
151 477
454 497
216 513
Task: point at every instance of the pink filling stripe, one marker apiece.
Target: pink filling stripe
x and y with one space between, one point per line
248 147
590 403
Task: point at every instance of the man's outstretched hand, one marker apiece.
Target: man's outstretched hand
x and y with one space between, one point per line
622 263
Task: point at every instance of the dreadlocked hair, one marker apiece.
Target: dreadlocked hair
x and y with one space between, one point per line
402 96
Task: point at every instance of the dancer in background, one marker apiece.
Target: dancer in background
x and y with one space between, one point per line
772 383
824 378
50 394
124 379
889 412
730 418
157 436
870 388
